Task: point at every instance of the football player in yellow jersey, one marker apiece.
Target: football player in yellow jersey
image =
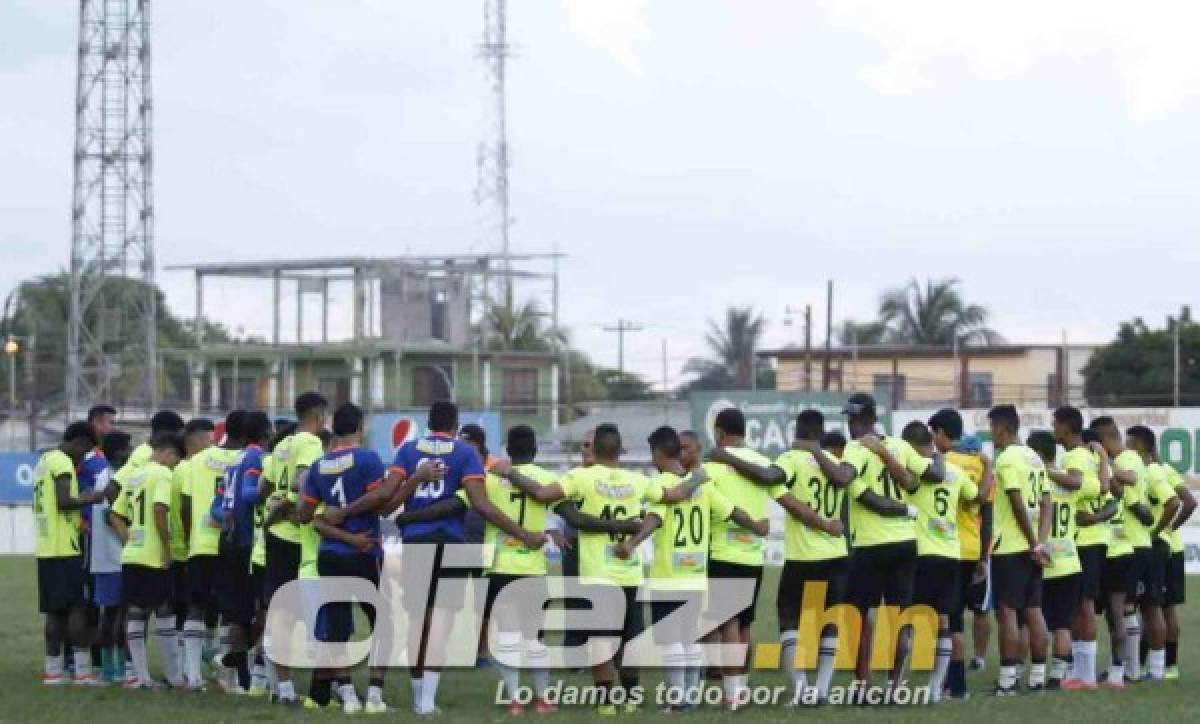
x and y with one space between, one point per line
1175 583
1128 551
939 547
678 572
283 537
1018 551
974 524
879 474
815 547
56 506
615 496
164 422
1164 506
140 516
197 437
1084 463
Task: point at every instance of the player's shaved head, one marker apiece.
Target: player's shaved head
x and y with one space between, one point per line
607 443
1042 442
810 425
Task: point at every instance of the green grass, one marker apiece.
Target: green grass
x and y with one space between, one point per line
468 695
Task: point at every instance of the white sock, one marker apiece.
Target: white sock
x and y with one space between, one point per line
1156 662
1076 658
941 664
695 668
193 651
825 661
375 694
135 635
429 687
53 666
415 684
347 693
168 649
1008 677
83 662
1037 674
675 664
222 642
285 689
1116 673
1088 655
790 645
538 657
731 687
507 656
1058 669
1133 643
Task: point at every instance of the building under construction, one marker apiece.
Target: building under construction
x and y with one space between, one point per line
419 332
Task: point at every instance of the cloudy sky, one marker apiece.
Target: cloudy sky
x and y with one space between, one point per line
685 154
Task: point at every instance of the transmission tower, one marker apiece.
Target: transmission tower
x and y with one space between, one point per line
111 335
491 191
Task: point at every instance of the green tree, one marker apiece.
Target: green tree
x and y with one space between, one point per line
732 362
1137 369
522 328
933 314
861 333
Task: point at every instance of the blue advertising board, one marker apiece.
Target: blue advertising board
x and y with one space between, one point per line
16 478
387 431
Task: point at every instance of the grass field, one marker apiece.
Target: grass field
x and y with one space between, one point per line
468 695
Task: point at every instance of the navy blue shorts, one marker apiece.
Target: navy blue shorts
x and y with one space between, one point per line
106 590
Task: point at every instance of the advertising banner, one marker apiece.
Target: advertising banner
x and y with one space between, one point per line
770 414
387 431
16 478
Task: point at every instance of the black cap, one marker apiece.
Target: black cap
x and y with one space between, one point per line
859 404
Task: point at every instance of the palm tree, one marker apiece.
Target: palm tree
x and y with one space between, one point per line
854 333
934 314
522 329
732 362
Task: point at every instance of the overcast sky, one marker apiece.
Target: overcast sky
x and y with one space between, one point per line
686 154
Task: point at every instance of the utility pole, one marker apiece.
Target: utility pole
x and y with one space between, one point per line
623 327
665 383
492 157
808 348
1178 324
825 370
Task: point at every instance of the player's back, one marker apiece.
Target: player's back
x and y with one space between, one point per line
937 512
57 532
808 484
461 463
509 555
867 527
681 544
732 543
339 479
1018 468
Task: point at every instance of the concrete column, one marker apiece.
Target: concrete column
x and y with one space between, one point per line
214 387
554 397
486 383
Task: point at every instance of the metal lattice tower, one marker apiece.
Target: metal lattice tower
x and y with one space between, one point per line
491 191
111 338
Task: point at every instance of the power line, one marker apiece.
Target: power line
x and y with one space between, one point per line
622 328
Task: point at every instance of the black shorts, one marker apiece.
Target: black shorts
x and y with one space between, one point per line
336 620
1060 601
1016 581
531 621
936 584
145 587
60 583
234 591
413 577
723 569
634 621
203 572
1175 589
1091 559
1119 575
1153 573
883 573
283 564
258 588
972 596
179 594
685 626
790 598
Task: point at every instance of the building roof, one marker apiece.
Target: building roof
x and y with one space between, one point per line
635 420
892 351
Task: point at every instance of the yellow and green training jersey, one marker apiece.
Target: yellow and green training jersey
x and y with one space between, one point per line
139 457
609 494
970 515
1018 469
1159 492
1137 533
179 481
57 530
1085 461
868 528
809 485
1118 542
937 512
140 493
1062 547
681 543
310 544
293 454
206 475
1175 480
507 555
731 543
